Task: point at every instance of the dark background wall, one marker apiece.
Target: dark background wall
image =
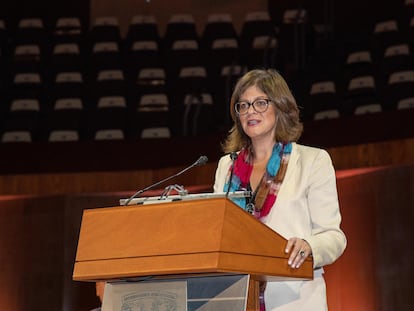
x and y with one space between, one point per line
347 17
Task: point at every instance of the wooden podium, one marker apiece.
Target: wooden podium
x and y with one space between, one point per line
201 236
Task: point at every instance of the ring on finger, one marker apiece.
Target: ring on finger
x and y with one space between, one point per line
302 253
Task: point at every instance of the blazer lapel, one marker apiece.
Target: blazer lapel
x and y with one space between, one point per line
292 165
290 172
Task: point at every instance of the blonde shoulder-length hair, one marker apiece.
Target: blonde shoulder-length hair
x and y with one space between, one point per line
288 127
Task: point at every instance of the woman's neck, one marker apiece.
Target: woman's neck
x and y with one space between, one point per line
262 151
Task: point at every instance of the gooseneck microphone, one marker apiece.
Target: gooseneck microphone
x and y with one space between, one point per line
200 161
233 157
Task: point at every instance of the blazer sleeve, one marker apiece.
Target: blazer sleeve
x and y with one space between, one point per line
327 240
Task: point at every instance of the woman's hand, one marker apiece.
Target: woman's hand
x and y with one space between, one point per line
299 250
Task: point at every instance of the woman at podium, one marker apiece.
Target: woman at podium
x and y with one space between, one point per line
293 186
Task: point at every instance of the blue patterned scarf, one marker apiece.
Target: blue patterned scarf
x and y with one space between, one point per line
265 195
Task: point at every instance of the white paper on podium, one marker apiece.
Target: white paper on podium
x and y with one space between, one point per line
138 296
193 196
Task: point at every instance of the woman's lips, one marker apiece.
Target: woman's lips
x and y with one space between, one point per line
253 122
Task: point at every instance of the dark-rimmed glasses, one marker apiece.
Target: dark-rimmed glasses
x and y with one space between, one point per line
259 105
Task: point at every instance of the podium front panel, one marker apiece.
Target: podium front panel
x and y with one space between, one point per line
201 293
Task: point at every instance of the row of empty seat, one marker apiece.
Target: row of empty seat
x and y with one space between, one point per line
72 84
364 73
179 81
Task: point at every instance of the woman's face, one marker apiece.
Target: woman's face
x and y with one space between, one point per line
257 125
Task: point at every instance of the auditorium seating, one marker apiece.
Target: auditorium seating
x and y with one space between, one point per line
66 82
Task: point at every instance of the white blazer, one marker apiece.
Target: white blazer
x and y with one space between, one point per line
306 207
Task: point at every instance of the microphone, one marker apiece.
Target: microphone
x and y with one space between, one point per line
233 157
200 161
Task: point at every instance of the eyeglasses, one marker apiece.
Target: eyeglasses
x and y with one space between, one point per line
259 105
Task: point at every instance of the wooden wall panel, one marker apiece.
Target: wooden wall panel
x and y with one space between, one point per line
365 155
376 269
351 281
38 238
11 254
43 248
61 183
395 230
